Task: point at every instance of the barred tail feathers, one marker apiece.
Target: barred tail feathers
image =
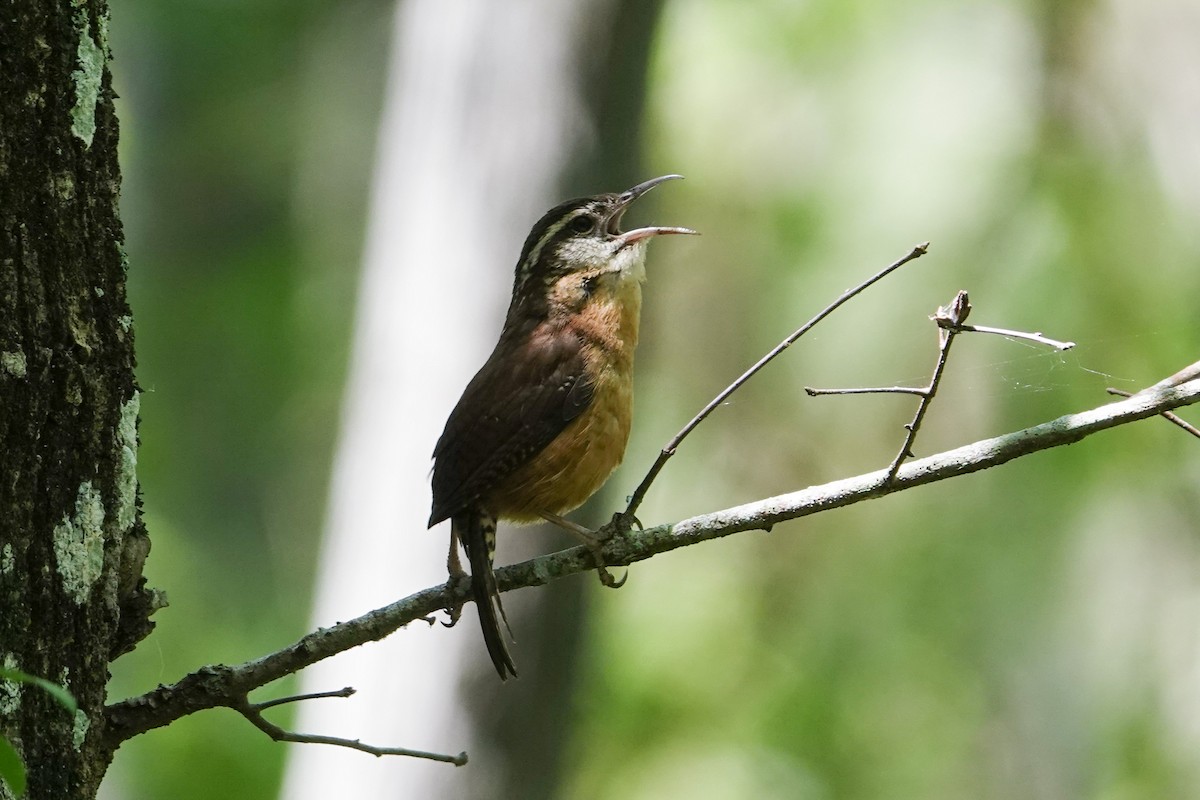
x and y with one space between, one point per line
477 531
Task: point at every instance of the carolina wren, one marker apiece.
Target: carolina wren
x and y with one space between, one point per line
545 421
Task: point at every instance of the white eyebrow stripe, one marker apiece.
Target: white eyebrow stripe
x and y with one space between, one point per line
536 253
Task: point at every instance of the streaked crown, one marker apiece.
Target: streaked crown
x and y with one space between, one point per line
580 235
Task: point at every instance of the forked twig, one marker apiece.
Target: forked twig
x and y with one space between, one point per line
1183 376
951 321
1178 379
253 712
1168 415
639 494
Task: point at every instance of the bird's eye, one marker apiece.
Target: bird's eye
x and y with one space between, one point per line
584 223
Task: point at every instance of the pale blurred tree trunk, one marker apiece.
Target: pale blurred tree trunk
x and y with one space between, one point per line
71 540
492 114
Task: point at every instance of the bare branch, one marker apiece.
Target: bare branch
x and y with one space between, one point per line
1186 374
917 390
949 319
1033 337
221 685
970 458
253 712
296 698
639 494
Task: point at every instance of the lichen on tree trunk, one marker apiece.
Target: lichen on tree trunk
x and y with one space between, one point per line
72 544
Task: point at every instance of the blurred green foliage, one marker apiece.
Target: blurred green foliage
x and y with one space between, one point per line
243 204
993 637
1025 633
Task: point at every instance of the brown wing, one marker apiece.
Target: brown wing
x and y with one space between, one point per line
514 406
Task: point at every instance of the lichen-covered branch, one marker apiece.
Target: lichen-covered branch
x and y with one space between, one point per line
227 686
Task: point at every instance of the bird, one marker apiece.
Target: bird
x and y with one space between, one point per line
546 419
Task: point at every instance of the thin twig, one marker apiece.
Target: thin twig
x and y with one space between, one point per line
639 494
1169 415
253 712
226 686
954 315
763 514
918 390
951 320
1033 337
296 698
1183 376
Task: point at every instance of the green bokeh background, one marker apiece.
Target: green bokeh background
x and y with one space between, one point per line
1029 632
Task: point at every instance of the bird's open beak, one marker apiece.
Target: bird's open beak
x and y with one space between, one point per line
629 195
625 200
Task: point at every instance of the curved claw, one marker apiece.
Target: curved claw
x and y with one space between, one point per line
608 580
606 577
452 614
594 542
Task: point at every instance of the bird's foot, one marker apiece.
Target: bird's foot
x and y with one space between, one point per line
457 575
621 523
453 584
594 542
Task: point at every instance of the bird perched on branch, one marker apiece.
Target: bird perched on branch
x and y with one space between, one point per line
545 421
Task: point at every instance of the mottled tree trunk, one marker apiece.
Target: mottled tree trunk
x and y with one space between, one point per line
71 540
